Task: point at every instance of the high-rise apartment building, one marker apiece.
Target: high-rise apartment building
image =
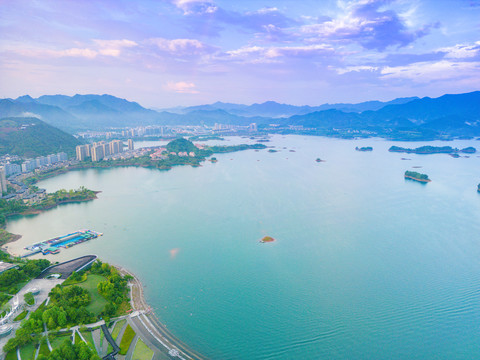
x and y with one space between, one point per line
3 180
97 152
130 144
81 151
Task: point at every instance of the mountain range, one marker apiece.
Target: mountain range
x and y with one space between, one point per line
448 115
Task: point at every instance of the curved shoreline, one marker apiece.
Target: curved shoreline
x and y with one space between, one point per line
153 325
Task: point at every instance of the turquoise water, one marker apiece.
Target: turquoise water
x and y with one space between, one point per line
366 264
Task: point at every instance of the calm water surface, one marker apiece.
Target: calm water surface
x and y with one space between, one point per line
366 265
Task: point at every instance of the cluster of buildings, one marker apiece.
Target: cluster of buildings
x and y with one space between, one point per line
102 149
227 128
140 131
39 162
11 169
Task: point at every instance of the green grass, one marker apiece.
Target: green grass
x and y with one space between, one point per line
127 339
27 352
44 349
98 302
142 351
87 335
21 316
118 326
12 355
59 340
69 281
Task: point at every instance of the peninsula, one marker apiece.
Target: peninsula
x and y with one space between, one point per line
413 175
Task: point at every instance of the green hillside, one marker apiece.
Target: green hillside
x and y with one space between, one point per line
31 137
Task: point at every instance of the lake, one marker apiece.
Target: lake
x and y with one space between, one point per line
366 264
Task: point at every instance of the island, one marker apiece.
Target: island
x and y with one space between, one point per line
413 175
433 150
319 160
478 188
267 239
365 148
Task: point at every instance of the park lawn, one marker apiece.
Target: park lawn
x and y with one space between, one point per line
98 302
118 326
21 316
12 355
142 351
44 350
77 340
87 335
59 340
127 338
27 352
69 281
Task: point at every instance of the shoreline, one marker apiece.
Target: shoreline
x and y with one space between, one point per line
152 325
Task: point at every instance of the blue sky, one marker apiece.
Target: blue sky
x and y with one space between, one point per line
166 53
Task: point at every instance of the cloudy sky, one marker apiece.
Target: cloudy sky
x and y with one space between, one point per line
164 53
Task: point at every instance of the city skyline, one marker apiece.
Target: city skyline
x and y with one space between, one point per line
189 52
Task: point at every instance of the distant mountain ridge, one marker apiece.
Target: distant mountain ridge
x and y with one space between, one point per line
274 109
447 115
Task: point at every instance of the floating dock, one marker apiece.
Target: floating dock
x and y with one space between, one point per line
53 246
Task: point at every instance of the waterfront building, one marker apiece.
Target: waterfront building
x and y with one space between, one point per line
3 179
52 159
130 144
81 151
62 156
28 166
116 146
252 127
12 169
106 149
97 152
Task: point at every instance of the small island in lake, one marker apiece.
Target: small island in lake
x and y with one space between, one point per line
267 239
365 148
413 175
319 160
478 188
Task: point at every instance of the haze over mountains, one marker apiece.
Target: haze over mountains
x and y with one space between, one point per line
454 115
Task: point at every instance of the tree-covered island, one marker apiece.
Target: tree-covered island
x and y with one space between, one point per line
413 175
433 150
365 148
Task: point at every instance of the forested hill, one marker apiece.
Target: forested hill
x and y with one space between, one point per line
31 137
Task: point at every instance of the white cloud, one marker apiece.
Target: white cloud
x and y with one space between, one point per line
264 54
195 6
359 68
179 46
181 87
461 51
431 71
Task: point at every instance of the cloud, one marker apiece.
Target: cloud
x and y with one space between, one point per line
190 7
259 54
425 72
358 68
206 17
461 51
180 46
366 23
111 48
181 87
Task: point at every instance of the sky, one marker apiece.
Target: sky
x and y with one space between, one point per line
167 53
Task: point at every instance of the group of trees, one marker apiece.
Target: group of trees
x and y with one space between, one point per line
68 307
69 351
114 288
31 269
10 207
